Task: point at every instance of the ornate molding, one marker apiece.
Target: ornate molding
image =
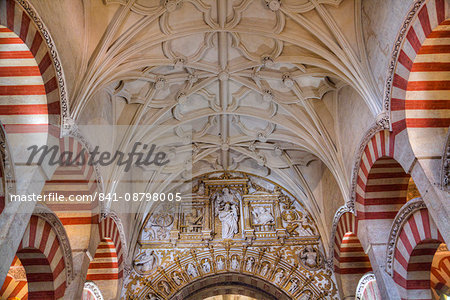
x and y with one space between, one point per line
113 215
93 288
362 284
378 126
445 168
403 215
396 51
337 216
274 266
46 214
29 9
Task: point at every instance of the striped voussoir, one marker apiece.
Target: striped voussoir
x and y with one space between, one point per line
73 181
104 266
42 257
381 183
349 256
420 99
107 263
371 291
15 284
29 95
415 247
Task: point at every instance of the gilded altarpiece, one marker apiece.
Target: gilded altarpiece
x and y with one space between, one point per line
232 223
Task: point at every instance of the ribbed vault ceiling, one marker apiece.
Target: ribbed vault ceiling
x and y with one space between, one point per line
239 80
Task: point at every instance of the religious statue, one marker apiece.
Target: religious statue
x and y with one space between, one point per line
151 297
234 263
294 225
279 276
193 220
158 227
220 264
177 278
201 189
191 270
294 286
306 296
226 207
249 265
166 286
264 270
262 216
206 266
309 257
146 262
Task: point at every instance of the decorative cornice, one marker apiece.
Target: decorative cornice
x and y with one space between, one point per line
445 168
93 288
403 215
378 126
46 214
362 284
396 51
29 9
337 216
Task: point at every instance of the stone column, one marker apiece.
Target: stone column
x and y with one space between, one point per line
281 232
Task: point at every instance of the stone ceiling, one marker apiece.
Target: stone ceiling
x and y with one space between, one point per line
238 80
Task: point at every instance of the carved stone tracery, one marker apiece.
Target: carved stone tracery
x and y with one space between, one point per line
194 247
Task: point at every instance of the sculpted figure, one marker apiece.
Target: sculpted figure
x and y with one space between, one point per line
151 297
249 265
193 220
262 215
146 262
206 266
279 276
191 270
234 263
158 227
264 270
177 278
226 207
294 286
309 257
166 287
220 264
201 189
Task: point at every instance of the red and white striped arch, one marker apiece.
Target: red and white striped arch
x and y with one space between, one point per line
367 288
42 256
420 93
350 261
349 256
15 285
109 229
74 181
419 98
91 291
415 246
382 183
106 269
29 88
